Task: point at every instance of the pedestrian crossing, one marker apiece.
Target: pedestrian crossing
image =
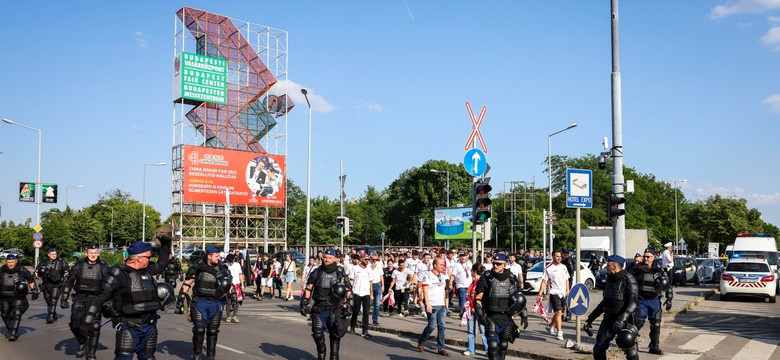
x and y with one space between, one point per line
699 345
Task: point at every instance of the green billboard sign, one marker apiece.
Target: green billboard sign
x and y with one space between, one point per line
203 78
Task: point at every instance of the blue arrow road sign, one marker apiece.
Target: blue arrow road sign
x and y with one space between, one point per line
578 300
579 188
475 162
38 235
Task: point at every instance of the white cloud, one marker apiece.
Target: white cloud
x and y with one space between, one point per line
369 106
754 200
318 103
774 103
707 190
735 7
763 199
141 39
772 38
774 19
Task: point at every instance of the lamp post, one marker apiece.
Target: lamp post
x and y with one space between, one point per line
448 183
111 245
549 186
308 180
38 193
66 193
143 209
676 226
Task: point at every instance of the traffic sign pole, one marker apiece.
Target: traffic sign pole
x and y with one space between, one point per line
579 266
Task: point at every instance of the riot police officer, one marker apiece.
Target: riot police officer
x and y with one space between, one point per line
85 278
15 282
135 300
618 306
328 287
211 282
52 271
172 271
652 283
499 297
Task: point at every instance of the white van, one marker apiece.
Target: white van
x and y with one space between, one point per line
756 246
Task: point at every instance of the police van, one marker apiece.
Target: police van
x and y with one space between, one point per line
757 246
748 277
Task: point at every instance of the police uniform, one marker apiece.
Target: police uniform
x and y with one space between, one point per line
172 271
501 299
652 283
84 279
14 284
328 311
135 301
52 272
618 305
211 284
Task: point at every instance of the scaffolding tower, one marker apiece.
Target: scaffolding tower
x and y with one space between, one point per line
521 193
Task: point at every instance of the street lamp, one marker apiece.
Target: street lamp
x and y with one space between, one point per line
143 211
676 226
448 183
66 193
549 187
111 245
308 180
38 193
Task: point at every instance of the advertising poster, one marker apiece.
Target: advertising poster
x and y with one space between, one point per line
49 193
253 179
453 223
27 192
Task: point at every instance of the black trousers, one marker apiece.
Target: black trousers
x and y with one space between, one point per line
364 302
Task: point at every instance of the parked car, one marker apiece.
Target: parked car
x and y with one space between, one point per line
252 254
5 253
685 271
369 249
299 258
196 254
533 278
748 277
710 269
187 253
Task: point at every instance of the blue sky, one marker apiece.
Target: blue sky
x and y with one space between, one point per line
389 79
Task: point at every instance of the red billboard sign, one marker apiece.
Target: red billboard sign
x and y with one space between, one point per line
253 179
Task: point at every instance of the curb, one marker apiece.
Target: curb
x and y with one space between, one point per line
689 306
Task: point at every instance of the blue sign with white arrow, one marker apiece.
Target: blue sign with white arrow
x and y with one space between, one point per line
578 300
475 162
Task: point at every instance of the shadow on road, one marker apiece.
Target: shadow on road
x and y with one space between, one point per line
285 351
745 324
182 349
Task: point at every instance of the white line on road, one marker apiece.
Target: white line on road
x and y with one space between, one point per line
679 357
758 349
703 343
230 349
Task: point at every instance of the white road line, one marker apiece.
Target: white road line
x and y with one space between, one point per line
703 343
758 349
230 349
680 357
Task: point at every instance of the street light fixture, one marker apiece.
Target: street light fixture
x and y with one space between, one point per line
448 183
38 193
66 193
143 211
111 245
308 180
676 226
549 190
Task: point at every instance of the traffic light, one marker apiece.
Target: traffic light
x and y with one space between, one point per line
614 211
480 210
340 223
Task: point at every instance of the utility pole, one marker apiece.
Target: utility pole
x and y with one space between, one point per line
619 227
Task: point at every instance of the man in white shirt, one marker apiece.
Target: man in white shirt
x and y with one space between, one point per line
461 277
400 288
435 297
423 268
515 268
307 270
667 261
360 277
237 295
557 277
488 262
377 284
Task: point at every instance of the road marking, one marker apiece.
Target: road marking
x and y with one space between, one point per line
758 349
703 343
679 357
230 349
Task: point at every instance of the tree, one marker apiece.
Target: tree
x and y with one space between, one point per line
367 217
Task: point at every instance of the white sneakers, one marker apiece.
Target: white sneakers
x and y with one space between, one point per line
551 330
560 335
467 353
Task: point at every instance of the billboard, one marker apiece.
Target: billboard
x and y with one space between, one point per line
27 192
200 78
253 178
453 223
49 193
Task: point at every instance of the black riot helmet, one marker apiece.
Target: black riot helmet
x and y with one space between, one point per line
516 303
21 287
165 293
626 338
339 290
224 283
661 282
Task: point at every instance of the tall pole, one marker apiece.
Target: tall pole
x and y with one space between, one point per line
143 209
619 228
111 245
341 206
676 225
549 185
308 180
448 189
38 193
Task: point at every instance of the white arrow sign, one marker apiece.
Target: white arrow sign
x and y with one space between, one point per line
476 159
